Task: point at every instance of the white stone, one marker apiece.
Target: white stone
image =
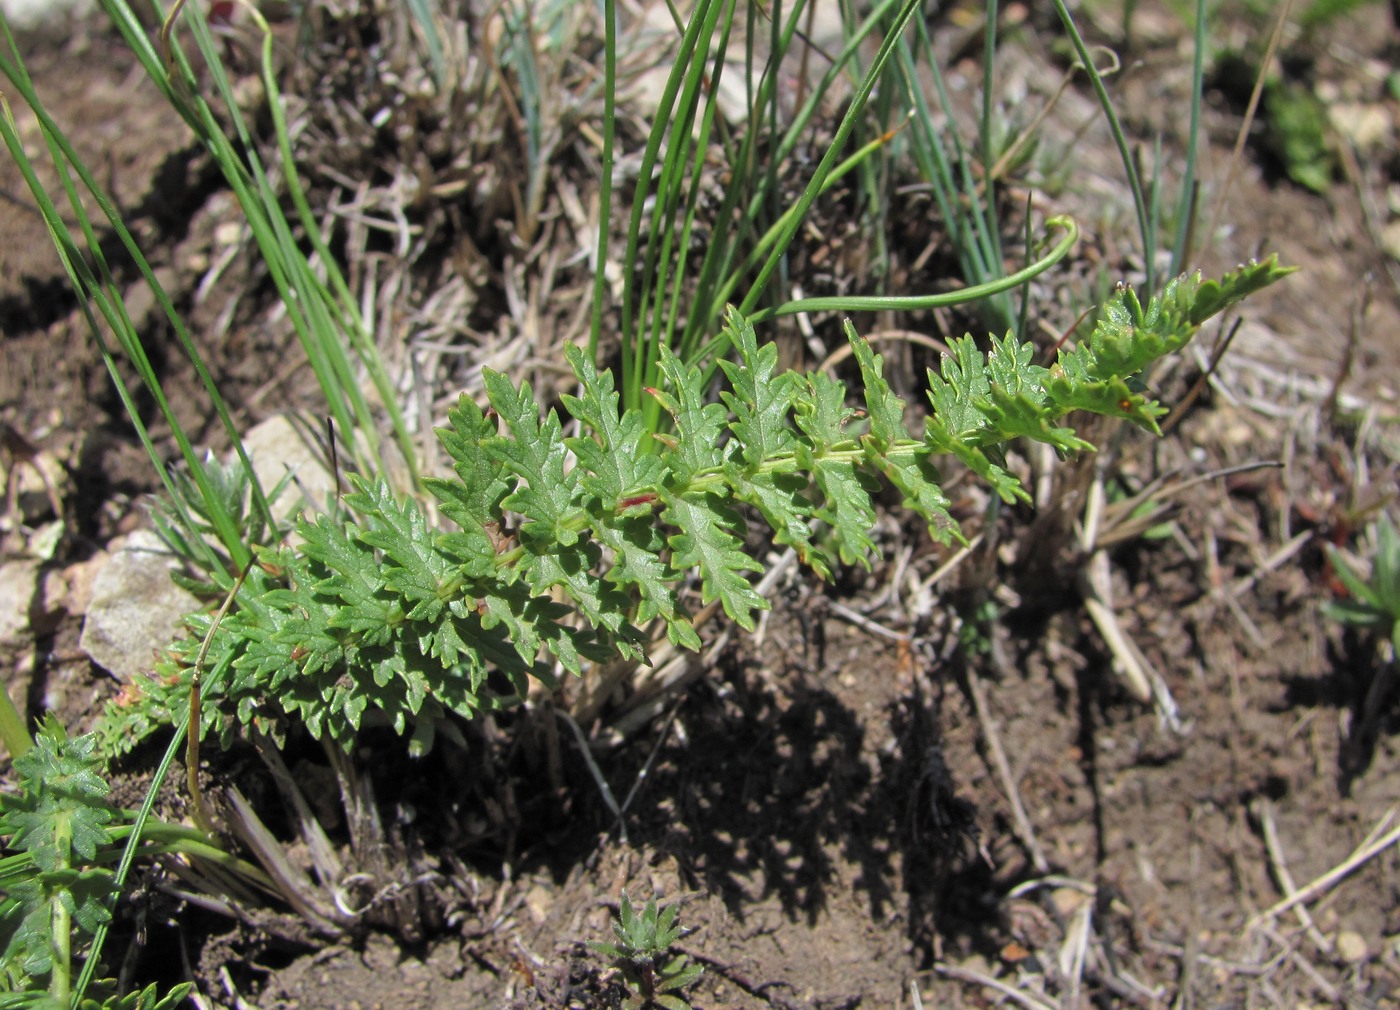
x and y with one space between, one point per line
1390 239
1351 946
1366 124
281 444
26 14
18 581
136 609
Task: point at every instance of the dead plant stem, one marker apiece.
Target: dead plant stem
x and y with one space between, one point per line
1024 830
1325 882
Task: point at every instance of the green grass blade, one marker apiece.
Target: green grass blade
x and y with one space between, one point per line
1120 140
104 294
988 147
324 314
634 351
1186 200
828 161
605 184
936 149
909 303
347 323
422 12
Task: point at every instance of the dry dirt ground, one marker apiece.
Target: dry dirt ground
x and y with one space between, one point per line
882 789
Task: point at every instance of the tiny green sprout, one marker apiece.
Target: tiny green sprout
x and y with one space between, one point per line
643 955
1374 604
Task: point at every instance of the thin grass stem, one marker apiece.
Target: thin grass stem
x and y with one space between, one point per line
104 295
1186 201
14 734
910 303
989 56
605 182
828 161
1120 140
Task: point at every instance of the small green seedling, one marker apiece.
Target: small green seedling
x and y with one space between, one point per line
643 954
1374 604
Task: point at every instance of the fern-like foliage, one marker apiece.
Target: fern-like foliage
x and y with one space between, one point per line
54 890
59 817
561 547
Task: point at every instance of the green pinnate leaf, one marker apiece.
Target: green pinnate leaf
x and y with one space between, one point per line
445 639
613 459
275 638
885 410
411 566
473 500
1071 388
471 552
378 614
760 400
847 507
707 542
915 476
1128 337
957 391
574 568
56 825
286 644
533 622
615 466
60 812
26 927
1019 415
87 895
636 546
983 460
821 413
1012 372
475 497
477 646
846 493
536 453
1212 297
779 496
981 400
382 681
699 425
761 403
350 574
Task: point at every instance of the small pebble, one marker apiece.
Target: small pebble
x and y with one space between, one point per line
1351 946
1068 900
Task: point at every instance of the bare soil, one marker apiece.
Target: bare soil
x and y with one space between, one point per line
834 801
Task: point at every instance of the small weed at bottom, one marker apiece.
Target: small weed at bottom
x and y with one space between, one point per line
1373 604
643 955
